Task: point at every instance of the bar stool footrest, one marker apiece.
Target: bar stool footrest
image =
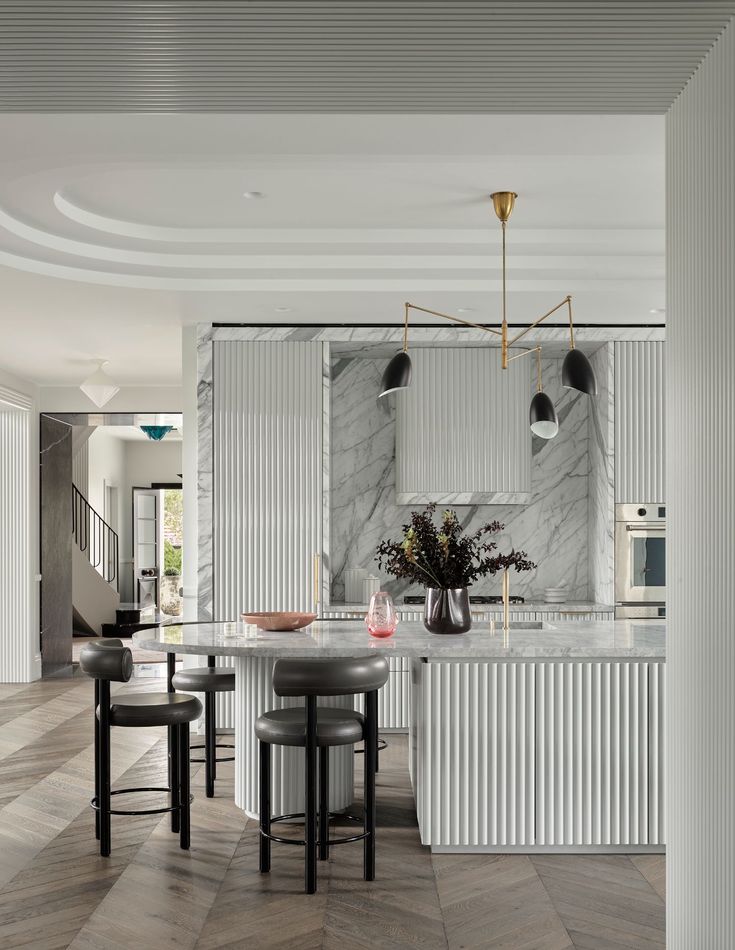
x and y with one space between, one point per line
302 843
382 744
144 811
219 745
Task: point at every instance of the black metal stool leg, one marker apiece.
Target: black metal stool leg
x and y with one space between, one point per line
96 759
174 776
310 796
184 786
213 728
265 806
210 752
324 803
371 761
104 770
173 750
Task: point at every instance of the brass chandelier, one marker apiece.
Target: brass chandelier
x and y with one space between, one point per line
576 373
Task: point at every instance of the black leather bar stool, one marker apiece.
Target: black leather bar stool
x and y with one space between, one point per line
107 661
209 680
318 727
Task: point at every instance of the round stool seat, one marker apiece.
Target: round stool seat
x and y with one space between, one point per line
204 679
288 726
153 709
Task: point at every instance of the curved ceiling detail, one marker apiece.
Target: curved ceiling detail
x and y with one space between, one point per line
148 232
359 260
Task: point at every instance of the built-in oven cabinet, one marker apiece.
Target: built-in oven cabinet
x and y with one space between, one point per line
640 554
639 422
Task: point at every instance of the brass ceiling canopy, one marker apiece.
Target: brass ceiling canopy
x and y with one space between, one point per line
503 202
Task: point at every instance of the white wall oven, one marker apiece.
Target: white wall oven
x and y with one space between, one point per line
640 560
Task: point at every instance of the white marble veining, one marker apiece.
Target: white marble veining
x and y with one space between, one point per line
601 519
204 474
551 528
441 333
537 606
613 639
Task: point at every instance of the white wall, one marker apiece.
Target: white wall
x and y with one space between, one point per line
20 657
128 464
106 456
700 446
129 399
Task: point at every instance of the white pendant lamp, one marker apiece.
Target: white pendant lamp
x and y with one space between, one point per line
99 387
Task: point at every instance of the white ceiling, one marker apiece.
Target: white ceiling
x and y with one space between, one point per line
353 56
116 230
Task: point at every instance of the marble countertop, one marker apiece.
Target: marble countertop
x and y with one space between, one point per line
615 639
534 605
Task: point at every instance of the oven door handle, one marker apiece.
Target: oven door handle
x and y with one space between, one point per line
645 527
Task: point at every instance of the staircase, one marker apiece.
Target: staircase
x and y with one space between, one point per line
95 567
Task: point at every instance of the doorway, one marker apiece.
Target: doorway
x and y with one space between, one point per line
94 460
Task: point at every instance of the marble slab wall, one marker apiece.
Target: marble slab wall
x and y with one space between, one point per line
552 528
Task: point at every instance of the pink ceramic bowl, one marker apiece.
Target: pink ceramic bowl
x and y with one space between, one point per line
282 621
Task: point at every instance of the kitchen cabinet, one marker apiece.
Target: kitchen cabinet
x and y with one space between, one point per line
538 755
394 699
639 422
462 433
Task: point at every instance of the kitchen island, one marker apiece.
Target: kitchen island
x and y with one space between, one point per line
545 737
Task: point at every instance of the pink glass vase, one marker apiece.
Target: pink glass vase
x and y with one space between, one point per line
381 619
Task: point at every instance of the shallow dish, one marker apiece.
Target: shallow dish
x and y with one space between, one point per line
280 621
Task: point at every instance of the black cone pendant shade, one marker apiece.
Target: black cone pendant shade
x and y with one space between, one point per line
542 416
397 374
577 373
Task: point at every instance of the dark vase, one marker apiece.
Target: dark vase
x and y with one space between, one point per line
447 611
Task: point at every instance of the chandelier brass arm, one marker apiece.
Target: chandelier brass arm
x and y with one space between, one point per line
568 301
576 372
537 351
446 316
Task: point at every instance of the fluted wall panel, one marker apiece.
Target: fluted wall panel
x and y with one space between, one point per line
462 431
474 766
394 699
539 755
598 756
17 591
266 478
253 697
639 422
267 475
700 353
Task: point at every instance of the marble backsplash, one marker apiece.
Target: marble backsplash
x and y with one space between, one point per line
552 528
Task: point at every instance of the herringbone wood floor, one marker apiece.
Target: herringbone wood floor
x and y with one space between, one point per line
56 892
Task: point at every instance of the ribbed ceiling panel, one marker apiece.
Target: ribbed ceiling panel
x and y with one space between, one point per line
334 56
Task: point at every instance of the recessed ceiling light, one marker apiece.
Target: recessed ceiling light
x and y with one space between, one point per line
657 310
283 309
253 194
465 309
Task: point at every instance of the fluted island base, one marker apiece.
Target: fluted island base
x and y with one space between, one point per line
253 696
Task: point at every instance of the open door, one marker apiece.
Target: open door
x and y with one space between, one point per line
147 528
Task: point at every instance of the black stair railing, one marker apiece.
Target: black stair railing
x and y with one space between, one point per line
95 538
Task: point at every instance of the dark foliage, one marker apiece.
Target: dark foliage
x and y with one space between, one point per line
443 556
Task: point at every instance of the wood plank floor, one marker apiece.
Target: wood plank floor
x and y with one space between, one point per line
56 892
